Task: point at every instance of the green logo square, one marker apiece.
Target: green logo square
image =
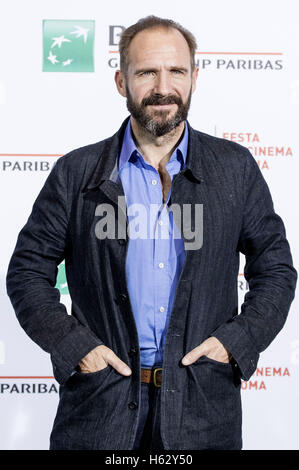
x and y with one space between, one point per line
68 45
61 282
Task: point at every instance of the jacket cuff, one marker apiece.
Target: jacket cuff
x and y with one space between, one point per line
70 350
238 343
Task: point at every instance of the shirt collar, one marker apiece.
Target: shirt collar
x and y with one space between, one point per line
129 147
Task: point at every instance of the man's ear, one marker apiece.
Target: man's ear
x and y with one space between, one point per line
120 83
194 78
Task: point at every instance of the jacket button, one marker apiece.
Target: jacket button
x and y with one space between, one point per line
123 297
132 405
132 352
121 241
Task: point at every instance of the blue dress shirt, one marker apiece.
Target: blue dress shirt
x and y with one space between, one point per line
155 254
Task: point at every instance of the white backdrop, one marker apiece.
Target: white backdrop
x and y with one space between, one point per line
248 91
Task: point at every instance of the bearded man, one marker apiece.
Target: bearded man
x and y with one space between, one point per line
151 223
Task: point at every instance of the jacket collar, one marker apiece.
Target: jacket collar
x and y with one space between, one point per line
195 154
107 166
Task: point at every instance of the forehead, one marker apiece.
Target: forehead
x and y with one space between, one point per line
159 45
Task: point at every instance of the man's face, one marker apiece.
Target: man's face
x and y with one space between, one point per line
159 81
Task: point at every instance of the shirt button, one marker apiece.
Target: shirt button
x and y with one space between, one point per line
154 182
132 405
162 309
161 265
160 222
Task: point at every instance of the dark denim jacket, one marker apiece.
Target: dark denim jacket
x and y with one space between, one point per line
200 403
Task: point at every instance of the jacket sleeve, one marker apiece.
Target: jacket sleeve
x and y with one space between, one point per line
31 279
269 272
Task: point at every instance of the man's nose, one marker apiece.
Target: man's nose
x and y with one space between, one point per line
163 83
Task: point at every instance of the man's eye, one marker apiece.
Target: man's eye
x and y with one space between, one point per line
177 72
148 72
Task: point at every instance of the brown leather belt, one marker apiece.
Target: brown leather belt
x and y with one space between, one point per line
152 376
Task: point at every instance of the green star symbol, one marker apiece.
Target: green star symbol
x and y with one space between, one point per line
68 45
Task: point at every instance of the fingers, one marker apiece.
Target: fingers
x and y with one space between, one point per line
211 348
112 359
193 355
99 358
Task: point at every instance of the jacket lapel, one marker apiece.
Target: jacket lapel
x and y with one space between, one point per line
105 176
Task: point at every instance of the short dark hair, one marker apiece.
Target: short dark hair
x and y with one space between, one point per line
147 23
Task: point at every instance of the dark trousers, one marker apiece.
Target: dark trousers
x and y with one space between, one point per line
148 433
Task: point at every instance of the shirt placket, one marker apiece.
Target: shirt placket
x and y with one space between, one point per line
160 264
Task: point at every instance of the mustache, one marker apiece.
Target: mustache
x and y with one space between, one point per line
157 99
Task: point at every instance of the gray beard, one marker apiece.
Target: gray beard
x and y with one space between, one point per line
162 126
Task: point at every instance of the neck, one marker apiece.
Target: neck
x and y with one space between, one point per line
156 150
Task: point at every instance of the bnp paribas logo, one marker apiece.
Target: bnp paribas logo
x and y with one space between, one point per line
68 45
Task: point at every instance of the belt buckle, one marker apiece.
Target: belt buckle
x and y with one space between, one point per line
155 376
